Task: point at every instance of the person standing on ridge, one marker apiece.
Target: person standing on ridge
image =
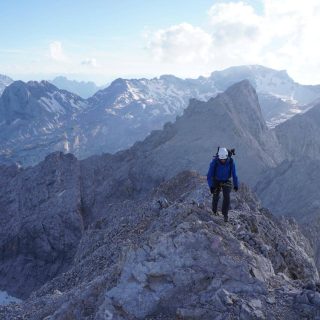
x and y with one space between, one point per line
221 169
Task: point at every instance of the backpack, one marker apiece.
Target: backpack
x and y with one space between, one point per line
231 152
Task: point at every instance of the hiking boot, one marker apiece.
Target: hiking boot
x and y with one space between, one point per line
215 213
225 218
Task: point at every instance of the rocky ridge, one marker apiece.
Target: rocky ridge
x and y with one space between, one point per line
166 257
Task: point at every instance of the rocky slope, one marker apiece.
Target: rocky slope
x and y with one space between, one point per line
41 222
292 187
166 256
300 135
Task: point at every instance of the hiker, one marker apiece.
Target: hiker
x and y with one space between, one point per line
221 169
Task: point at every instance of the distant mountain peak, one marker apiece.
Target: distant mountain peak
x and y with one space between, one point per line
126 111
252 70
251 67
84 89
37 100
66 80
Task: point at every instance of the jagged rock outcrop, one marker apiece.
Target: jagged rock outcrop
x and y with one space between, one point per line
166 256
41 222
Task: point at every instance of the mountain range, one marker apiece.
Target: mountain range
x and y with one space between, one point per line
128 110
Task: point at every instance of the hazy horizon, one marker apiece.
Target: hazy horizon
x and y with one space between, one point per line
104 40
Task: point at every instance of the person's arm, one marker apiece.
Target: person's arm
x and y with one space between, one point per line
234 176
210 174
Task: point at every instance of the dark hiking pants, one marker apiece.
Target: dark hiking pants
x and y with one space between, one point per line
226 189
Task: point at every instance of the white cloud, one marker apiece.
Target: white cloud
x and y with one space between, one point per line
56 51
283 36
236 33
181 43
293 36
234 22
91 62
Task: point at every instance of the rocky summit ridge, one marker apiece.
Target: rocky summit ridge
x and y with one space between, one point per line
165 256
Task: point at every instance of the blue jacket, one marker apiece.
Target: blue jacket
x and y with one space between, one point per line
222 172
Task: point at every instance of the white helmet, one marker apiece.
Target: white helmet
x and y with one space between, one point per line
223 153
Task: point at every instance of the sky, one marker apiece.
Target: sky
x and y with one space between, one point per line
100 40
